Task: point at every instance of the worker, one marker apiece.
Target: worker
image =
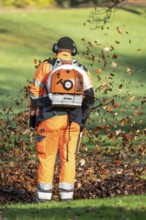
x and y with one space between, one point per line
62 98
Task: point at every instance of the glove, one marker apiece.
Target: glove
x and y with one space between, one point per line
32 121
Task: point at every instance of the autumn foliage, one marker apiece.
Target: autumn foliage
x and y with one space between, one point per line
115 162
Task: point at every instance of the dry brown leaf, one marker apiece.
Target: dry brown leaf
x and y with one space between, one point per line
98 71
131 99
110 108
35 61
119 30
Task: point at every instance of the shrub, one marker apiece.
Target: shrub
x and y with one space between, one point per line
7 2
45 3
25 3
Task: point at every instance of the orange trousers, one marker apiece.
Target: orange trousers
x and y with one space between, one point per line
51 134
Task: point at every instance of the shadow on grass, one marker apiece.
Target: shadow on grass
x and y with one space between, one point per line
68 211
3 30
132 10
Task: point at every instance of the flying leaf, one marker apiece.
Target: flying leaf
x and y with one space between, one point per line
131 99
136 112
104 99
35 61
114 65
129 41
122 122
106 49
117 104
98 71
117 42
114 56
129 70
120 86
110 108
119 30
91 45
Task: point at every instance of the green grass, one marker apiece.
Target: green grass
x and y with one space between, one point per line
26 35
121 208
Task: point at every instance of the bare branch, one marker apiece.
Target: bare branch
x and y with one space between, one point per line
101 15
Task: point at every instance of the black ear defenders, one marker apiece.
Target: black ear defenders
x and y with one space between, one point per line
73 51
55 48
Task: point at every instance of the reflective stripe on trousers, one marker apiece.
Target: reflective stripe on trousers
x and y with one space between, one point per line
44 191
66 190
51 134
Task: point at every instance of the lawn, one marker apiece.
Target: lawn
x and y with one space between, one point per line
121 208
25 36
115 56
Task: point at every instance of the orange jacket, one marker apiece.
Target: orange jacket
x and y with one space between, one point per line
39 97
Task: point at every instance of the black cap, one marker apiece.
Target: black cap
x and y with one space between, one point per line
66 43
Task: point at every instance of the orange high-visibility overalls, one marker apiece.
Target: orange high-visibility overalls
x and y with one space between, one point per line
57 128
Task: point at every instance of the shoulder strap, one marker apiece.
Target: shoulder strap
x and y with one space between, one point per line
56 62
51 60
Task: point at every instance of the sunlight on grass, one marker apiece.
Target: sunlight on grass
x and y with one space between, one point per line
28 35
126 207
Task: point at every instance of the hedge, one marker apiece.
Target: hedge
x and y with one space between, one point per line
47 3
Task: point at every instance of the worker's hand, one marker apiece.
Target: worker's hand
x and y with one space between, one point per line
32 121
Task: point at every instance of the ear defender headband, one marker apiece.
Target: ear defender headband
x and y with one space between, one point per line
65 43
